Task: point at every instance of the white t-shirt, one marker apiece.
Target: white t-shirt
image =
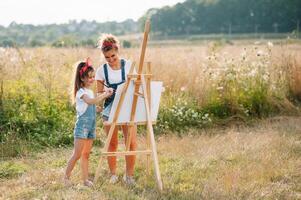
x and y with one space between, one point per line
114 75
81 105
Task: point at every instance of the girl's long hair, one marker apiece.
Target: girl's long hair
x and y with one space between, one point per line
78 78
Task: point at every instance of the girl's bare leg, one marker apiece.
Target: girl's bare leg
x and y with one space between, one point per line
77 152
85 158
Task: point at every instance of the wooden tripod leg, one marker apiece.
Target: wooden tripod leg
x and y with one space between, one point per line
148 88
152 137
138 81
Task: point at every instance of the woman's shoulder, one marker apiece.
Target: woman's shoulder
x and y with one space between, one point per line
126 60
127 63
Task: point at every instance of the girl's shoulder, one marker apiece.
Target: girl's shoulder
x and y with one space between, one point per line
80 92
83 91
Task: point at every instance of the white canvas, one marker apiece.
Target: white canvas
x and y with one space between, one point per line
125 112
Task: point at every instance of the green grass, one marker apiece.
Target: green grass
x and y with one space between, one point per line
258 162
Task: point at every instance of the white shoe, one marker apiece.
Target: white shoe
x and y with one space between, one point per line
67 182
88 183
129 180
113 179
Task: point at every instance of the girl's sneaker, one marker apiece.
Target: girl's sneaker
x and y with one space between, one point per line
129 180
88 183
113 179
67 182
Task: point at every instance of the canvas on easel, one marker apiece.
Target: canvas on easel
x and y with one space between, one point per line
138 85
125 112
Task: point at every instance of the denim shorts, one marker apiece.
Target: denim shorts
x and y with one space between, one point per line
85 128
106 112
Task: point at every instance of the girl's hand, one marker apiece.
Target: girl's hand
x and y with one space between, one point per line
98 109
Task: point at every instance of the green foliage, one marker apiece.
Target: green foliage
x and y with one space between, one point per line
226 16
62 35
10 169
29 116
7 43
126 44
182 114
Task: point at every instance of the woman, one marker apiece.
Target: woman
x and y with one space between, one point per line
113 73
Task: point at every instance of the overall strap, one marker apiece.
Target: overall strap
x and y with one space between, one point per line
122 70
105 69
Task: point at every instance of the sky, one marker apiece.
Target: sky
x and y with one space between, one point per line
61 11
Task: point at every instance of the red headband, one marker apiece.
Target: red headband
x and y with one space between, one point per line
86 66
108 44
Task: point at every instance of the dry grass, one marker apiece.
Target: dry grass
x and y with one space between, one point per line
260 162
179 67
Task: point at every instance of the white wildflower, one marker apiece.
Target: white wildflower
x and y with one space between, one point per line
260 53
270 44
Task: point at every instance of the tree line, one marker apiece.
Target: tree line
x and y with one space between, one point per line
227 16
187 18
71 34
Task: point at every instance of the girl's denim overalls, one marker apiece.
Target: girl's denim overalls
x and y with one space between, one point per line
85 124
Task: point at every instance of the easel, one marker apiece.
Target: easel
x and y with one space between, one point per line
143 80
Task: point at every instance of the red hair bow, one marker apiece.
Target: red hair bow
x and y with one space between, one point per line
86 66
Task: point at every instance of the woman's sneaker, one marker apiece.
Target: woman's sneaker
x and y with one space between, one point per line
129 180
88 183
113 179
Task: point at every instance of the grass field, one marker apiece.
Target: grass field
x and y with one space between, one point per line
257 162
220 130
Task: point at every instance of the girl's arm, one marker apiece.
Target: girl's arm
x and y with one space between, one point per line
99 98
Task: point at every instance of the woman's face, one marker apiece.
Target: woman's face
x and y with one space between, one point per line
112 57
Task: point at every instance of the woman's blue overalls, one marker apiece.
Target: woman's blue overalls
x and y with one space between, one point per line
109 101
86 123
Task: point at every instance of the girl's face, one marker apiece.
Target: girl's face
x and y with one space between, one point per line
89 80
112 57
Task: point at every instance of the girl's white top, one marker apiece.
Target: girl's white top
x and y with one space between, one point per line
81 105
114 75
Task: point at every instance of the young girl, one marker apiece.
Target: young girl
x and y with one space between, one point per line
114 73
84 131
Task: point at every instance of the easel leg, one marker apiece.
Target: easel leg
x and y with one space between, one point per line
156 162
152 137
147 156
148 91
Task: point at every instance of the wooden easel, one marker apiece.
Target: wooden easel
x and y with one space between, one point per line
143 80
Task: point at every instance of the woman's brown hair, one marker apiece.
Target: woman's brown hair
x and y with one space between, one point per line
108 42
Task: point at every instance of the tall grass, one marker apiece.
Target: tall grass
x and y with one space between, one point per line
203 86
